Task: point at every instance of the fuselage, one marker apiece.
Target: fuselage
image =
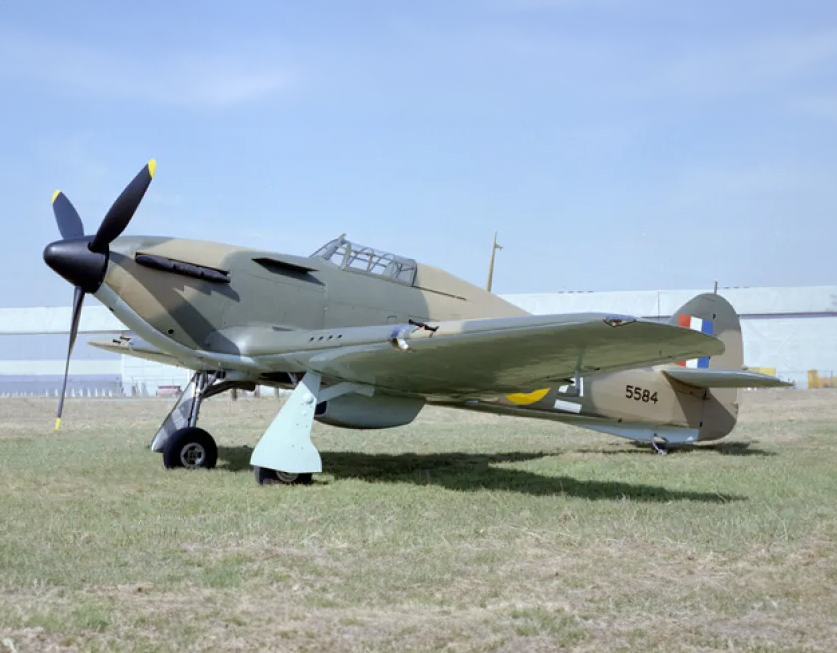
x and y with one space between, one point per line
193 296
640 404
265 293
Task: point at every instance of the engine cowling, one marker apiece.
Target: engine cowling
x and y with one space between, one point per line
354 411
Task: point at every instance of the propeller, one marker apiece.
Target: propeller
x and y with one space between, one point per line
83 260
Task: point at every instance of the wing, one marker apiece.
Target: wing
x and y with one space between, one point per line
453 359
490 356
137 348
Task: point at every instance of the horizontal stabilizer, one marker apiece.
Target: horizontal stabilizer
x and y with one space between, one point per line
709 378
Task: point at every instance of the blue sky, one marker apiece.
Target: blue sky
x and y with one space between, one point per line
614 145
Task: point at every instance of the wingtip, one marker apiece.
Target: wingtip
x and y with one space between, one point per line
152 167
55 195
57 423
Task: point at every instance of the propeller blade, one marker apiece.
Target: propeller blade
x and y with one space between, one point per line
69 222
123 209
78 300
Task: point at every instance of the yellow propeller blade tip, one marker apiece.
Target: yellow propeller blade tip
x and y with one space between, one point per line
152 167
57 423
55 194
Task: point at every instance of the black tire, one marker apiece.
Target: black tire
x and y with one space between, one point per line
265 476
192 448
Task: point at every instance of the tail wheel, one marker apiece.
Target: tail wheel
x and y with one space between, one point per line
265 476
192 448
660 445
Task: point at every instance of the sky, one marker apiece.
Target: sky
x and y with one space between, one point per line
644 144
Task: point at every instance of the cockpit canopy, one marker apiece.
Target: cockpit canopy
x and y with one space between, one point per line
357 258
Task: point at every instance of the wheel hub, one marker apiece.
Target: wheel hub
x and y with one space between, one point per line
192 455
286 477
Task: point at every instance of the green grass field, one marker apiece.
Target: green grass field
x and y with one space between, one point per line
460 532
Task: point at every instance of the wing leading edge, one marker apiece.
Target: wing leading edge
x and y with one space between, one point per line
137 348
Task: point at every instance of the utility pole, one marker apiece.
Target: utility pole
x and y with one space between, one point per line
494 249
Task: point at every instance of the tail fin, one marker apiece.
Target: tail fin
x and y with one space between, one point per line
713 314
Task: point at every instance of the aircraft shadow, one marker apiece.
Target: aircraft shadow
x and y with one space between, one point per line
722 448
472 472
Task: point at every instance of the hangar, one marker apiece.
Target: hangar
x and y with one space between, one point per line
791 330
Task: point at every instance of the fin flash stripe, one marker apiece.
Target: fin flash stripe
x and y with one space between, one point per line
696 324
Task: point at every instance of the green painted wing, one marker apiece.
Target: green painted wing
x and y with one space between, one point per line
507 355
459 358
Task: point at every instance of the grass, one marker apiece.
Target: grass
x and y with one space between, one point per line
460 532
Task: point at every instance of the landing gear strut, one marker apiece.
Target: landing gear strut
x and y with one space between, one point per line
286 444
284 454
179 439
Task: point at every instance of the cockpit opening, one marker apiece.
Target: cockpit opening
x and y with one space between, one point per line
358 258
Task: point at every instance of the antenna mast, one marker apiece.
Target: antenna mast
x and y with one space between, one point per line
494 249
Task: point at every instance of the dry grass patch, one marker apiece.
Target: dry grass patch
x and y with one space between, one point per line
460 532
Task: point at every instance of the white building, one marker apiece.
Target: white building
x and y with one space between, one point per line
136 376
790 329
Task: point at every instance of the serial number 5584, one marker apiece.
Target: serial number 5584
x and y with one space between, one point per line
640 394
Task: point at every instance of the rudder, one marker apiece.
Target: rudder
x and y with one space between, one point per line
713 314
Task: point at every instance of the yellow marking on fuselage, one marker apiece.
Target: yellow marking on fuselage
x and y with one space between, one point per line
526 398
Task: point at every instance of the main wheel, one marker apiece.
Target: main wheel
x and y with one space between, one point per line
265 476
192 448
